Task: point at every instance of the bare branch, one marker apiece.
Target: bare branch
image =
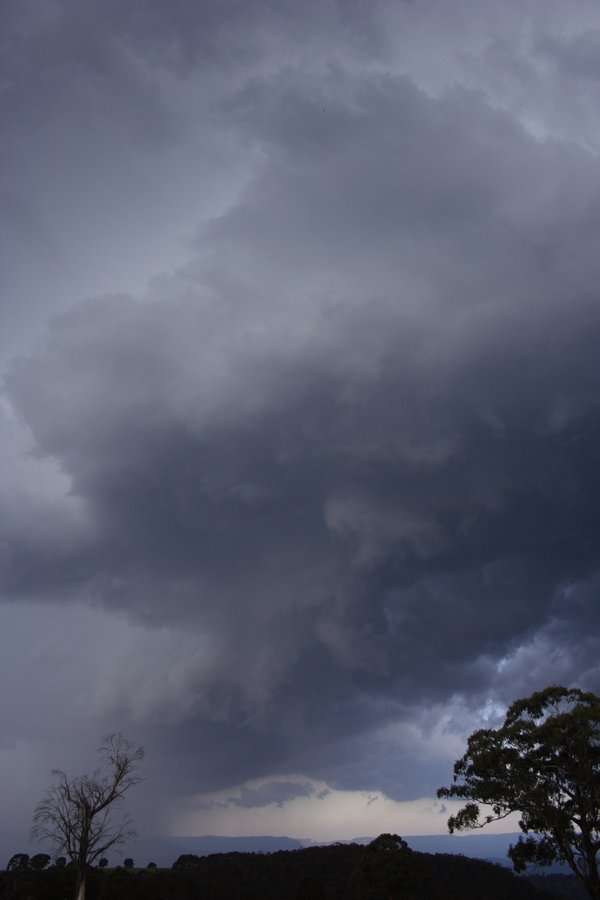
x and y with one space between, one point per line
79 815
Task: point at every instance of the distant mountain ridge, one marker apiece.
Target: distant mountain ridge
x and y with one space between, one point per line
203 845
477 846
164 850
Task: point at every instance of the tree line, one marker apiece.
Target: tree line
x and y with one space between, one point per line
384 870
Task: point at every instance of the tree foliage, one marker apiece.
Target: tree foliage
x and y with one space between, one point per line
544 763
79 815
388 869
18 862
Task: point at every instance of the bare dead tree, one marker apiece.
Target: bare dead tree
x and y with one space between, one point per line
80 815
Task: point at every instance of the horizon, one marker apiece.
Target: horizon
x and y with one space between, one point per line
157 847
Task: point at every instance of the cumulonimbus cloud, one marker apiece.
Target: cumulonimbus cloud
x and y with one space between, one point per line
351 444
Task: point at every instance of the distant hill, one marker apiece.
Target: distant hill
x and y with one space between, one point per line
165 850
344 871
492 847
212 843
482 845
335 872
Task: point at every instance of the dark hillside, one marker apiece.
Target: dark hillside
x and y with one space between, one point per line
565 887
337 872
456 877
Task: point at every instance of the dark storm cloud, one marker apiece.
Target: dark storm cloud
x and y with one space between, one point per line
118 141
351 447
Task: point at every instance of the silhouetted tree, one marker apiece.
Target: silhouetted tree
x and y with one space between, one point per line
18 862
77 814
544 762
388 869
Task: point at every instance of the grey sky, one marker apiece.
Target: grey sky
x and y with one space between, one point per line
299 476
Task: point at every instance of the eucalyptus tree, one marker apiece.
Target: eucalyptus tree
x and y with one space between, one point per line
544 763
80 816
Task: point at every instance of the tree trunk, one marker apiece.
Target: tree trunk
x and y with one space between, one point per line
80 886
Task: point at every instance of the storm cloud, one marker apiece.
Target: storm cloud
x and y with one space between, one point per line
339 467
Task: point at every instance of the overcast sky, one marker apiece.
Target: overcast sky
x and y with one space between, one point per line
300 422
